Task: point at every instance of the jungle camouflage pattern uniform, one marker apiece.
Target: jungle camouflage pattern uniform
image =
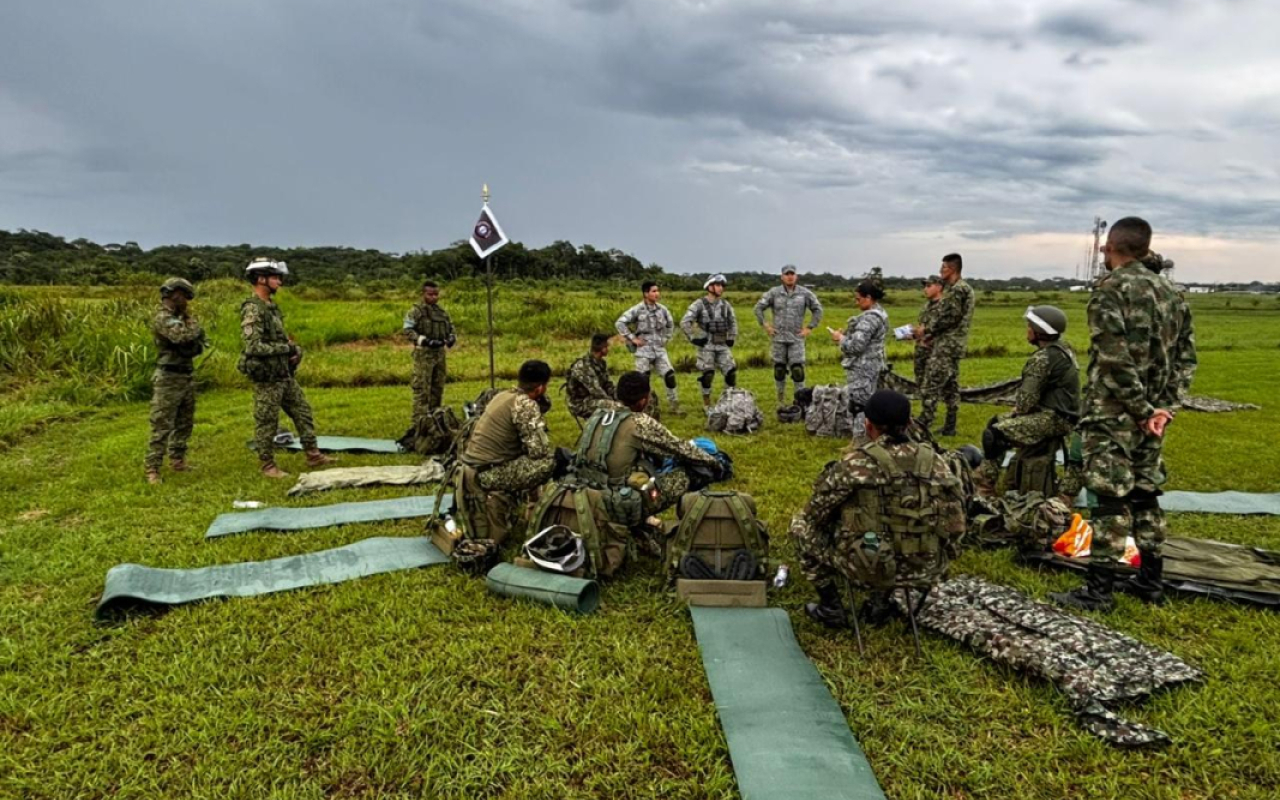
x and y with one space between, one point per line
862 356
264 359
588 386
787 345
719 325
948 338
429 323
850 498
921 361
1142 356
510 452
179 339
656 326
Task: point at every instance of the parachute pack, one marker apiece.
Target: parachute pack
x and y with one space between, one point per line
735 412
432 434
828 413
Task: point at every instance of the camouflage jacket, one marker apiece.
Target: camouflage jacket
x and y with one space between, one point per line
1050 380
716 320
1142 352
179 338
653 323
927 312
266 347
952 317
430 321
510 427
587 384
640 436
862 349
789 308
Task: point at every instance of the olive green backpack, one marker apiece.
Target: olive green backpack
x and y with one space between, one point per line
714 527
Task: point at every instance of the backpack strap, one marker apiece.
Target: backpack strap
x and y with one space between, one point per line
746 523
687 528
590 533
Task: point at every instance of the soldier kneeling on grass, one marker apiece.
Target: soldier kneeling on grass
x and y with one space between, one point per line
888 515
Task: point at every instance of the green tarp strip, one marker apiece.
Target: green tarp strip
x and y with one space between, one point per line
132 586
787 735
344 444
296 519
1212 502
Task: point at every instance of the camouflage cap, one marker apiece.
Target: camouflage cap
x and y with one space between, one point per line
789 268
932 280
178 285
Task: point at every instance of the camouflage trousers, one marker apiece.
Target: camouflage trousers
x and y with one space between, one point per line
429 371
496 501
1124 468
860 388
712 358
825 559
654 361
670 487
787 351
921 362
173 413
941 382
1023 431
269 399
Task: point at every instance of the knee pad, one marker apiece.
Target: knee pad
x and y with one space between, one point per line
1112 506
779 372
705 379
730 378
670 379
797 373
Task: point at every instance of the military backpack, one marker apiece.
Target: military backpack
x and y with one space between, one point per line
828 413
717 536
431 435
735 412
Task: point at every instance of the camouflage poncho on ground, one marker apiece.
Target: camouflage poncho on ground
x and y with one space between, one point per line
1093 665
431 471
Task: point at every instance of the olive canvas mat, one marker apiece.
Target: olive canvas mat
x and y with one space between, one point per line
133 586
787 736
1211 502
296 519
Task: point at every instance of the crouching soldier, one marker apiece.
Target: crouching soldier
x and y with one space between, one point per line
588 385
888 515
1047 407
179 339
507 456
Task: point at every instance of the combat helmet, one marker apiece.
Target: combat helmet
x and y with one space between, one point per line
717 278
557 549
1047 320
178 285
265 266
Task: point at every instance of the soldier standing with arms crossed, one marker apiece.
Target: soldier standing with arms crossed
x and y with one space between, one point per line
947 336
179 339
787 332
1142 357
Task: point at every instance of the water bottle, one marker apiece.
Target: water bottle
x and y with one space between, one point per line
870 541
450 526
780 577
247 504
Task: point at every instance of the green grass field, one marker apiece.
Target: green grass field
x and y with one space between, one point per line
420 683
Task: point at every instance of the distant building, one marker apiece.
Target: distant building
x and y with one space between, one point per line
1200 289
1079 288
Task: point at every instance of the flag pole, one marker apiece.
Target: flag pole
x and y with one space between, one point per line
488 270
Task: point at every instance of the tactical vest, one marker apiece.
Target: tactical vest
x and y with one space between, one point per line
714 320
494 439
905 527
266 369
1062 392
433 322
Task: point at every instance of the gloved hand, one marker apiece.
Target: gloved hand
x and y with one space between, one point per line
563 458
544 404
701 341
730 342
452 340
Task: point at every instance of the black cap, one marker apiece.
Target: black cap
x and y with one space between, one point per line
888 409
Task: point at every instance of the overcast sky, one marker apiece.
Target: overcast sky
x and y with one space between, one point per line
718 135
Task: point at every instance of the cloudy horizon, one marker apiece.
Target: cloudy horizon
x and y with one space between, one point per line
697 135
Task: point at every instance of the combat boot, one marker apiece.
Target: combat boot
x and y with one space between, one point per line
1148 585
877 610
317 459
179 465
949 426
1095 595
829 610
153 477
270 470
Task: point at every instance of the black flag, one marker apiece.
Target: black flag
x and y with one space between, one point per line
487 236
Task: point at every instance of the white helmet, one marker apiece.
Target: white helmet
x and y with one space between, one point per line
265 266
556 549
717 278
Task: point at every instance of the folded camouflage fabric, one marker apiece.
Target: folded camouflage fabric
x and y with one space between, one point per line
1093 665
1003 393
431 471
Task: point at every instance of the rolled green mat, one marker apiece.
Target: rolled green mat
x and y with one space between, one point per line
562 591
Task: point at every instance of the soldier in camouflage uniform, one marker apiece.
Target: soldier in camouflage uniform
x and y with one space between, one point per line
428 327
653 328
269 359
507 455
787 332
862 350
947 337
1141 360
1047 406
718 329
588 384
179 339
932 293
890 513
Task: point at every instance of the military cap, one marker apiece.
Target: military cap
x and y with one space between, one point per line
888 409
932 279
177 285
788 268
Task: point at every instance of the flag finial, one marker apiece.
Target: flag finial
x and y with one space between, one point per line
484 193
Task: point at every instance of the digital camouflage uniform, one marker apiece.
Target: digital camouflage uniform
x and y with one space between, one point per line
922 350
948 338
858 495
1142 356
862 356
787 345
510 454
654 324
588 386
264 359
719 326
428 327
179 339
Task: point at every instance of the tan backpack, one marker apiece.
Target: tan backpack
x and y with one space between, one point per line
714 528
